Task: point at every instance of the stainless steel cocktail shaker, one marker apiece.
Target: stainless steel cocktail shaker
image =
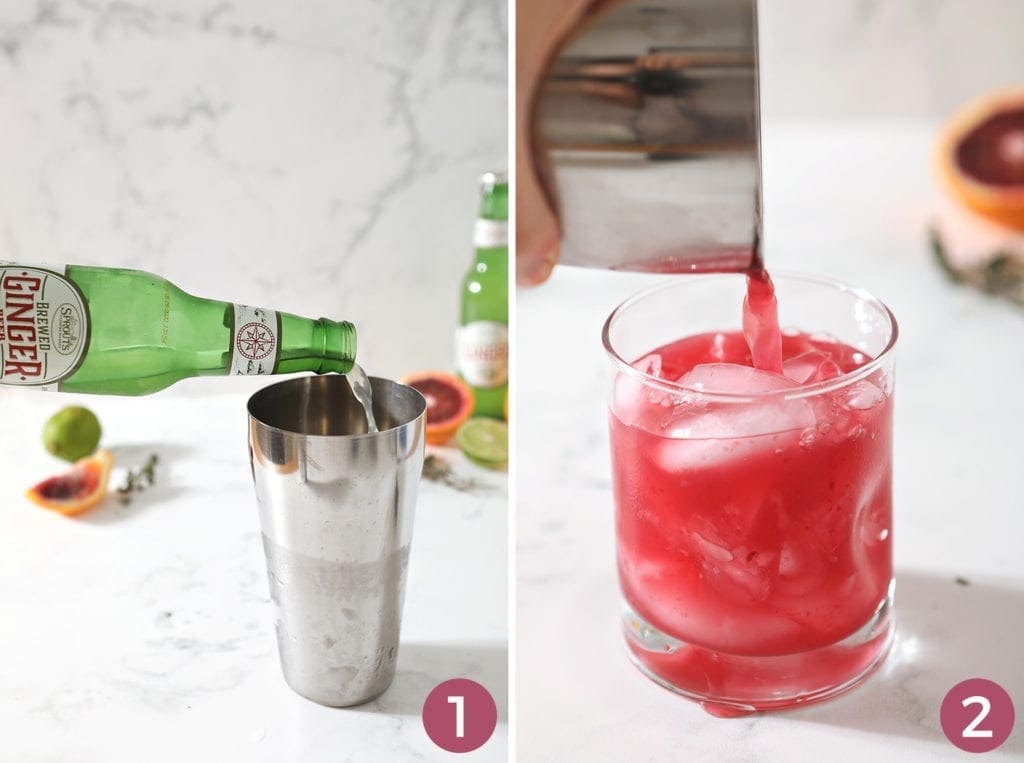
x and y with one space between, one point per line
336 507
648 130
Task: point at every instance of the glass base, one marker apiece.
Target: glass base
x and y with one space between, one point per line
730 686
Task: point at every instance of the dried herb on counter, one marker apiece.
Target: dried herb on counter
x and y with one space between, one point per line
436 469
139 479
1001 275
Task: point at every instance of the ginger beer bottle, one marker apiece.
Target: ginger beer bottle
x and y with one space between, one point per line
482 338
125 332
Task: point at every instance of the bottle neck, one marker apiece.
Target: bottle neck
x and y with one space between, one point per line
336 342
490 259
494 203
302 344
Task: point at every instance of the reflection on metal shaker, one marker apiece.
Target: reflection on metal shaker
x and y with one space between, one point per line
336 506
648 122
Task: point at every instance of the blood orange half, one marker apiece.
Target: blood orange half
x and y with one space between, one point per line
449 402
980 156
76 490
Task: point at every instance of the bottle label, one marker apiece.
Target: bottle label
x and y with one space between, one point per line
490 234
255 341
481 351
44 326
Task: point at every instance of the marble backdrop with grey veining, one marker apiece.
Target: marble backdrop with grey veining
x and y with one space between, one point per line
317 157
842 59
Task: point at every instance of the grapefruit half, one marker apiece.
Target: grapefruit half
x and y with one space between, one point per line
449 402
76 490
980 156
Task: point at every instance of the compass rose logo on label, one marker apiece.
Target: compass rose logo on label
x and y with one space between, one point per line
255 341
254 345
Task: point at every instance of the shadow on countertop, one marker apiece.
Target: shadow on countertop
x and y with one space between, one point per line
135 455
422 666
948 629
114 509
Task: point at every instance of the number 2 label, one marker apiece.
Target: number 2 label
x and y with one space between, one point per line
977 715
971 732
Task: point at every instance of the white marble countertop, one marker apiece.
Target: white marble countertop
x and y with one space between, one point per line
853 202
144 632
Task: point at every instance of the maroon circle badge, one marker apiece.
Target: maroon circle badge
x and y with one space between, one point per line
977 715
459 715
255 341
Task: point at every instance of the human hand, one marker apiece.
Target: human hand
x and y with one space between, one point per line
541 25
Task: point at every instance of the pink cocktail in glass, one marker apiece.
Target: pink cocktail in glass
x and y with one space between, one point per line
753 506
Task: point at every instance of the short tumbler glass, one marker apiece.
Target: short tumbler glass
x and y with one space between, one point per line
755 563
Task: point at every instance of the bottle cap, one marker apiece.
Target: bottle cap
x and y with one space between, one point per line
490 179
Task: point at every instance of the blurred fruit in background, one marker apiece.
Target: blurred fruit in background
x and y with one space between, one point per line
72 433
484 441
449 402
980 156
1000 272
76 490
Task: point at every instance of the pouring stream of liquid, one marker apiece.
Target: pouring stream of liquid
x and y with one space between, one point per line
361 389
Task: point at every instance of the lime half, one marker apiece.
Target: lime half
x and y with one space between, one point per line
72 433
484 441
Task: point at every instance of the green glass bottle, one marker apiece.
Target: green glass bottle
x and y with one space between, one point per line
482 337
125 332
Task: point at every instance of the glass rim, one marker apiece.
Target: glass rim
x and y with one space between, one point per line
811 390
291 433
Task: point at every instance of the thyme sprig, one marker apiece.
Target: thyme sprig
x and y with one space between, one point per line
436 469
139 479
1001 275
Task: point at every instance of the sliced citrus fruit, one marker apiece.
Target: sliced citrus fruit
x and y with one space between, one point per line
449 402
484 441
76 490
980 156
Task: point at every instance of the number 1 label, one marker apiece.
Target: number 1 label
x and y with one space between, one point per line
475 711
460 716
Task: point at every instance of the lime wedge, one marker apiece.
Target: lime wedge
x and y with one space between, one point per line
484 441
